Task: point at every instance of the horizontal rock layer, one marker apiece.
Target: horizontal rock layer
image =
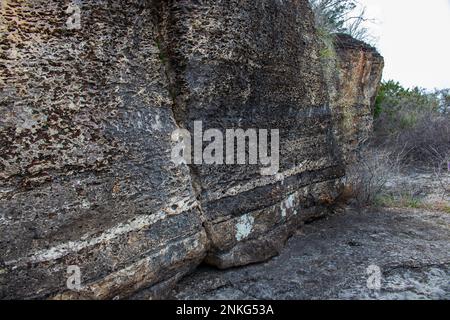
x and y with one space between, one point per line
86 177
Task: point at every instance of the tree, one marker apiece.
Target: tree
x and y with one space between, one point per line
444 98
342 16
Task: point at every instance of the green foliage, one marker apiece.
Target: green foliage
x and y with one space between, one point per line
405 200
444 97
393 96
327 51
414 122
399 201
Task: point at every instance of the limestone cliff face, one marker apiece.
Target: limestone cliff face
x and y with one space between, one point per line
359 69
86 177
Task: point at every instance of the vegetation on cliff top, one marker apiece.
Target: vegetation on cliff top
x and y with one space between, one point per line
342 16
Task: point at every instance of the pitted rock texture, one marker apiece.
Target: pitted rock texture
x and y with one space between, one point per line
247 64
85 147
86 177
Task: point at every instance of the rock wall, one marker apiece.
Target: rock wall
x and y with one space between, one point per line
86 177
358 73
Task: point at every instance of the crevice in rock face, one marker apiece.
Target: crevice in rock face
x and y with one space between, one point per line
173 68
173 24
167 37
145 72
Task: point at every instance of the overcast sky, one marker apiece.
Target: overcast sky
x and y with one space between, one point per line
414 38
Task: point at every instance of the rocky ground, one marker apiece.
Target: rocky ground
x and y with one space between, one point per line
336 257
329 259
420 189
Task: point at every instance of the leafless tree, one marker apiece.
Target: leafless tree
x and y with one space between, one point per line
342 16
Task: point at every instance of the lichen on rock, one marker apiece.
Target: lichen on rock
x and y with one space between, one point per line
86 177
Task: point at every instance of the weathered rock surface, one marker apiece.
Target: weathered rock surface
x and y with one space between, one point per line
86 176
353 91
85 146
242 64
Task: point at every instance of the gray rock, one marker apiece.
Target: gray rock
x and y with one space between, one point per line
85 147
86 175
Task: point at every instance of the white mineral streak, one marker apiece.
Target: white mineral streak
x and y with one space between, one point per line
131 225
268 179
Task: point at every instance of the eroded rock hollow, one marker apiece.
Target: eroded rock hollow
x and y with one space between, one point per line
86 177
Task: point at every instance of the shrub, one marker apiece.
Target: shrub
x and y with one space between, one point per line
413 124
366 179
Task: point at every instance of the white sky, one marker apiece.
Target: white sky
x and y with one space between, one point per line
414 38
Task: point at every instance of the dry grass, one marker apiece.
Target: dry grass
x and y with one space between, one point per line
366 179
